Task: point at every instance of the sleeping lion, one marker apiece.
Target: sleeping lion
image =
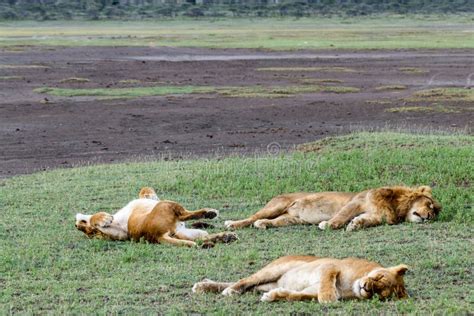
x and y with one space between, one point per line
154 220
297 278
391 205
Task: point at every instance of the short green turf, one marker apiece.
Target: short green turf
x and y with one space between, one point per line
373 32
47 266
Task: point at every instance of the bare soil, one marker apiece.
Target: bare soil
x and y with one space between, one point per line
38 133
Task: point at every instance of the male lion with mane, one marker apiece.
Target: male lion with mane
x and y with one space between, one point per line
297 278
154 220
391 205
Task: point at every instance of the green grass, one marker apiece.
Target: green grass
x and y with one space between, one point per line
443 94
5 78
438 108
47 266
395 87
249 92
311 69
74 80
412 70
375 32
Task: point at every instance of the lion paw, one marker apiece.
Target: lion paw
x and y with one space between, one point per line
102 220
229 224
324 225
261 224
267 297
355 224
200 287
229 291
211 213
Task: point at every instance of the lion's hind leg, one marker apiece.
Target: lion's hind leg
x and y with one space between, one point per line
268 274
270 211
280 221
207 285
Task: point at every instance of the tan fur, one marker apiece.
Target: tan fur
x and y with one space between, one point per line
296 278
156 222
391 205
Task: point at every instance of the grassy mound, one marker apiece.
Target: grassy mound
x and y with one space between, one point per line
46 265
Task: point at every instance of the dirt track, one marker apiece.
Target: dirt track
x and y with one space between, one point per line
70 131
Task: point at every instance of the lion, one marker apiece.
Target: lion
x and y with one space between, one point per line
391 205
297 278
153 220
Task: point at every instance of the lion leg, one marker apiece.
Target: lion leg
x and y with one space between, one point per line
185 215
166 238
210 286
279 294
223 237
280 221
364 220
265 213
268 274
344 216
327 291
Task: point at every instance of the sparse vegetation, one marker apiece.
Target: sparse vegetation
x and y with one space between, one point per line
443 94
434 108
311 69
21 66
5 78
391 88
47 265
129 81
74 80
413 70
399 32
247 92
313 80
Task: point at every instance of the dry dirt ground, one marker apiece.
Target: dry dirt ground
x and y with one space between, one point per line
36 134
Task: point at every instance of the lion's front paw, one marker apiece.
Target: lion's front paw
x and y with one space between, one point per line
200 287
329 297
211 213
229 291
355 224
102 220
324 225
267 297
229 224
261 224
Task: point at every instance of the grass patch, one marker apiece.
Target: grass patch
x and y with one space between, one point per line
380 102
251 92
391 88
22 66
303 69
316 81
129 81
375 32
47 266
438 108
5 78
74 80
443 94
412 70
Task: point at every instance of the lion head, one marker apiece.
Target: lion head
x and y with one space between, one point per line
384 282
422 206
83 223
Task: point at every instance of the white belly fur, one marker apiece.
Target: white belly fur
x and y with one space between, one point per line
121 216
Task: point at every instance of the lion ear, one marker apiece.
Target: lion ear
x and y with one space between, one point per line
424 189
400 270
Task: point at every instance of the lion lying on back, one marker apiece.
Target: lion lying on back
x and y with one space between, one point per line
297 278
391 205
154 220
